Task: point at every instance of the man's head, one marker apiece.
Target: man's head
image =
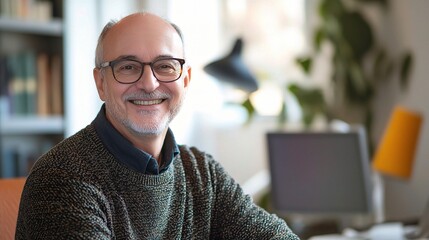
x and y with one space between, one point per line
141 105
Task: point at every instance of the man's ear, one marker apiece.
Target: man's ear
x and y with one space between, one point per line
99 82
187 78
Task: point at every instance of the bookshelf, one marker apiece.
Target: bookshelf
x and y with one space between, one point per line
31 82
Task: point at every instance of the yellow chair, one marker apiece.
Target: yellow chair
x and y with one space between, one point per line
10 195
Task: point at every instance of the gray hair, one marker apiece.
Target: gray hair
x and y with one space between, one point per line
109 26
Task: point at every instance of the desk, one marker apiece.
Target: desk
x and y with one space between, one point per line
385 231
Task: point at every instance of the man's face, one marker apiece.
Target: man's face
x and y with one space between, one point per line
147 106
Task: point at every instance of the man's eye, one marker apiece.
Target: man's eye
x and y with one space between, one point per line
166 66
127 67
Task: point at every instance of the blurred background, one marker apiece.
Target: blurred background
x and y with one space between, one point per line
313 62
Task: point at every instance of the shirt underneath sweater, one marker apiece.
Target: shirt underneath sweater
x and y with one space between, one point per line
78 190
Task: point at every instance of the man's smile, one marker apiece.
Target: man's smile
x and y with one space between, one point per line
147 102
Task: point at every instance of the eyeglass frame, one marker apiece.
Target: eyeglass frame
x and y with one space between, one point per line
143 64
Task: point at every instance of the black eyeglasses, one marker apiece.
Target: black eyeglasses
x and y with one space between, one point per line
129 71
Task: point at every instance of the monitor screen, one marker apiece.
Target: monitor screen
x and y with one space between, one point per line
319 172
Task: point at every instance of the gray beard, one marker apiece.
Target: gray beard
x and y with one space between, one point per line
144 129
147 128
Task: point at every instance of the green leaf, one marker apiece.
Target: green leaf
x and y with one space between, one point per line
358 95
330 8
311 101
308 118
406 65
357 32
319 37
383 3
305 63
247 104
379 63
283 115
358 80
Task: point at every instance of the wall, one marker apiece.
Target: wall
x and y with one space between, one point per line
406 199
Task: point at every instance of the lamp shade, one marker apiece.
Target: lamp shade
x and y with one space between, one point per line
395 153
231 69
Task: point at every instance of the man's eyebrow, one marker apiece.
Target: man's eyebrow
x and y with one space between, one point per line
133 57
163 56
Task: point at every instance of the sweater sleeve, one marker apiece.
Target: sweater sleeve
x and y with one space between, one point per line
61 208
237 217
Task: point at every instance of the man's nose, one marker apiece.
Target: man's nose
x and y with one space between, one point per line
147 81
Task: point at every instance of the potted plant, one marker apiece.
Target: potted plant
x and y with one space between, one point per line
359 62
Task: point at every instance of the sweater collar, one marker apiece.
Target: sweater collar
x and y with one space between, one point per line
124 151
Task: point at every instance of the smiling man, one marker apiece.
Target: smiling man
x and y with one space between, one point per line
124 176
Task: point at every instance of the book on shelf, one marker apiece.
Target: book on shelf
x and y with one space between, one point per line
56 85
43 84
8 163
27 9
4 84
31 84
16 85
14 163
17 160
30 81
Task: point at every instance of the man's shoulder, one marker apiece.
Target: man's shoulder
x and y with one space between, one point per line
195 156
198 162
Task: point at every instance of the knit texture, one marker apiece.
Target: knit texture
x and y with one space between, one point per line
79 191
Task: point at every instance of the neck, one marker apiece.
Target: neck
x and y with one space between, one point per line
152 144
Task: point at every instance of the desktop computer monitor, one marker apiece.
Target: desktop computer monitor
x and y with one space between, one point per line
319 173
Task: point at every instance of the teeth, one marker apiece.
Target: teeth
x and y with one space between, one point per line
151 102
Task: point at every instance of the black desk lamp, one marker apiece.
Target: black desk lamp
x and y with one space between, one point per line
231 69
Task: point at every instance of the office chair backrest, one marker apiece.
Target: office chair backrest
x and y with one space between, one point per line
10 195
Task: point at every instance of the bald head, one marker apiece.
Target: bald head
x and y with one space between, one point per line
151 21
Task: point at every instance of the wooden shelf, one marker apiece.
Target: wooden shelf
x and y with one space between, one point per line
31 42
32 125
53 27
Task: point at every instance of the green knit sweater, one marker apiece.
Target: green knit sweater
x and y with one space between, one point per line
79 191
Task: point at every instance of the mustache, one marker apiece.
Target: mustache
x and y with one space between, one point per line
146 95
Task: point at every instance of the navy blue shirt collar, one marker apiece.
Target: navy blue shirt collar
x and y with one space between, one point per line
125 152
